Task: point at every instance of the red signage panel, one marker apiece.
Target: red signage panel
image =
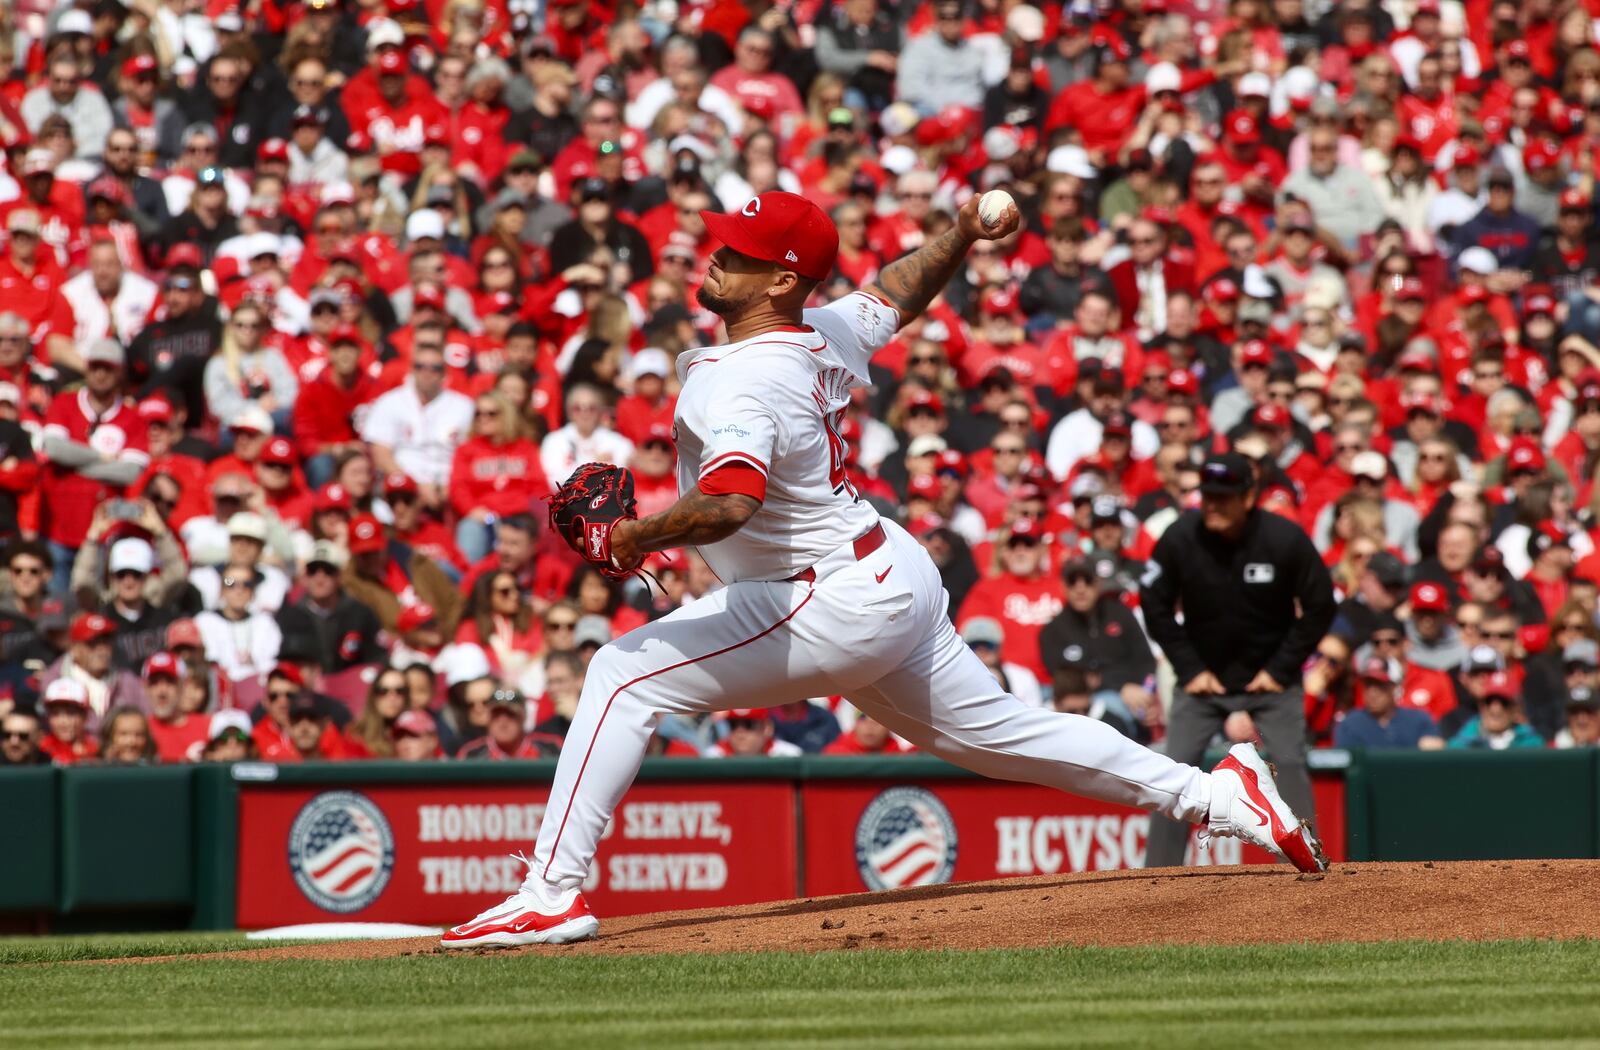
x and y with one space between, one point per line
438 855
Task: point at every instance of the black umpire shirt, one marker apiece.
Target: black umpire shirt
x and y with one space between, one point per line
1238 599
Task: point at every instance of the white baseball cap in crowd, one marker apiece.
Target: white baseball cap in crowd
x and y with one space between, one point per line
463 662
1071 160
253 418
1255 85
66 691
132 554
382 31
247 525
1026 22
1478 260
898 160
651 361
424 223
222 721
591 630
926 445
1163 76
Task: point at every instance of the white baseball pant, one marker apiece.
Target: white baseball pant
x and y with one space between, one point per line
875 631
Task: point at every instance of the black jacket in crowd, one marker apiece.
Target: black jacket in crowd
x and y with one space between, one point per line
1108 635
345 637
138 638
1238 599
171 355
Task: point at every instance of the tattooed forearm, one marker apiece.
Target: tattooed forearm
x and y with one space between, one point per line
910 284
694 520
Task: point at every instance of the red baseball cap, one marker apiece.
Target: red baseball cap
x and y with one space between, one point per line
289 671
1525 456
1540 154
661 432
399 482
1519 49
1423 402
1474 293
392 60
1467 156
1377 669
278 451
273 149
1499 683
1182 381
427 295
758 714
1411 288
1000 302
162 664
415 723
1240 126
182 633
140 65
414 616
1117 423
924 486
332 496
1256 352
1026 529
1538 303
1574 200
366 534
1273 416
780 227
86 627
952 461
921 398
1222 290
1429 597
155 409
1418 361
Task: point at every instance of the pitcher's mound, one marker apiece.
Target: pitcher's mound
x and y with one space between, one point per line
1474 900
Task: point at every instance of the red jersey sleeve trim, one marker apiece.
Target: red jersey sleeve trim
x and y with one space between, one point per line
735 475
727 457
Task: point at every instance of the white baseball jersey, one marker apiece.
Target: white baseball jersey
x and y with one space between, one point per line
775 403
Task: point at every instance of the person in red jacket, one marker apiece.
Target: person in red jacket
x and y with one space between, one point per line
649 404
330 408
867 737
66 711
495 474
1023 596
179 735
399 115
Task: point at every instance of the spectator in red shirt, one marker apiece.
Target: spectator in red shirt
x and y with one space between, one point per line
178 734
1023 595
506 737
329 409
649 404
867 736
496 473
66 712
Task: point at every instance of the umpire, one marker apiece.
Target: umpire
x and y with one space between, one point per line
1256 599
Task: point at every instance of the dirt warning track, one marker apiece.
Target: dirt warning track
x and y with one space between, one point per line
1474 900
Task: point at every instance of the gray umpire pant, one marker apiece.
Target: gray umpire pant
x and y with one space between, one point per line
1192 724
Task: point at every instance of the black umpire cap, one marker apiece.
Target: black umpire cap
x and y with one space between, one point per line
1226 474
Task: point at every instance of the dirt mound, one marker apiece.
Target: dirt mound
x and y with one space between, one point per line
1476 900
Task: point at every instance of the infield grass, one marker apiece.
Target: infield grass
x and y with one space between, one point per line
1508 993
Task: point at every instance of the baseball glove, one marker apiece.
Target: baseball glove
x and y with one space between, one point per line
585 510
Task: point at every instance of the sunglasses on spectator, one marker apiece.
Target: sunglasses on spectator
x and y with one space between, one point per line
502 592
744 723
282 694
12 734
321 568
27 570
423 366
560 625
230 582
927 359
1387 639
390 690
123 574
1500 636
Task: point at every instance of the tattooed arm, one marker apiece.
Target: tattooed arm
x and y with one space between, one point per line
696 519
909 284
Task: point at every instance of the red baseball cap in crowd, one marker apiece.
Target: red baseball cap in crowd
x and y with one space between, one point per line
924 486
427 295
1538 303
1241 127
1117 424
87 627
278 451
1418 360
332 496
398 482
414 616
1256 352
163 665
1545 535
288 671
392 60
1524 457
748 714
780 227
1423 402
273 149
1271 416
951 461
415 723
1500 684
1377 669
921 398
1474 293
1182 381
1540 154
1519 49
346 333
141 66
155 409
1222 290
1411 288
1574 199
182 633
366 534
1466 157
1429 597
1000 302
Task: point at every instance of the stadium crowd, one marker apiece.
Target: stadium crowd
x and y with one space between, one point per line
305 305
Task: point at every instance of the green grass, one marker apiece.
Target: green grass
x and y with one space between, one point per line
1421 995
117 946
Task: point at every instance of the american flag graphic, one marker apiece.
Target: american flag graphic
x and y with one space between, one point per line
909 846
343 852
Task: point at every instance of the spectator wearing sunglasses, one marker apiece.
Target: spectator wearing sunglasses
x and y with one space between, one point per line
19 740
1497 726
341 631
506 737
1256 599
243 643
27 564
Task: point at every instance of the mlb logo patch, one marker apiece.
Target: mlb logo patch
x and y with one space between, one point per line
1259 572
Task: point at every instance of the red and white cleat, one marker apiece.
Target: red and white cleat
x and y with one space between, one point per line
1245 804
525 919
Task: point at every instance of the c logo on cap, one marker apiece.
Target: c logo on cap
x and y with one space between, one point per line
751 207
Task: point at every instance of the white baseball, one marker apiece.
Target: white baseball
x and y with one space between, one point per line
992 207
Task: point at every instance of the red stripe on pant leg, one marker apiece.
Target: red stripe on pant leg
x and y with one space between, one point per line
681 663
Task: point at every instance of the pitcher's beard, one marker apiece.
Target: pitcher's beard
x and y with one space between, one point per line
715 303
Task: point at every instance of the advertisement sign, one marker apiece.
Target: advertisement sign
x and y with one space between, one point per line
438 854
874 834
